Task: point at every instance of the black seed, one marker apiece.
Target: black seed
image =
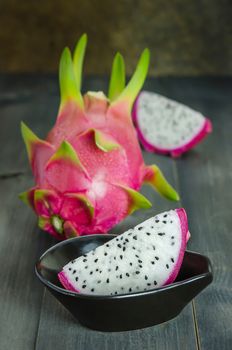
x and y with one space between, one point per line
91 272
134 248
115 292
76 278
137 272
119 246
161 233
116 268
72 262
92 290
171 221
130 290
155 283
117 239
153 247
167 266
114 257
145 288
98 281
105 253
84 260
127 240
96 260
131 264
140 228
137 256
152 226
156 258
70 268
165 215
84 286
146 278
124 248
172 260
121 257
107 281
86 267
107 245
148 233
140 261
135 237
109 270
148 284
157 221
172 243
122 288
172 237
97 269
100 271
127 274
164 221
140 266
152 262
120 276
85 255
74 271
121 238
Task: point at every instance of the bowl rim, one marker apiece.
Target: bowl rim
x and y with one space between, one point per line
66 292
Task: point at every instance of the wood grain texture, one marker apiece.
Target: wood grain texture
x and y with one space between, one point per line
205 185
32 319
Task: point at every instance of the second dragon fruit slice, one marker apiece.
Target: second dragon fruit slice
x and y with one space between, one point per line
90 168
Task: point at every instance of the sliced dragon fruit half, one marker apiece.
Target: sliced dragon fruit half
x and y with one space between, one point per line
143 258
165 126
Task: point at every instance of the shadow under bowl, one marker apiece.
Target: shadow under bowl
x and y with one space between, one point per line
126 311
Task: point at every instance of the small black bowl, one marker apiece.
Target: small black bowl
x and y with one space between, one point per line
126 311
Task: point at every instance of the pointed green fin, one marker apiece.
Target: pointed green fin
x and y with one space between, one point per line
57 223
68 87
83 198
25 198
31 139
65 152
138 201
78 58
103 142
43 222
156 179
135 84
117 79
69 230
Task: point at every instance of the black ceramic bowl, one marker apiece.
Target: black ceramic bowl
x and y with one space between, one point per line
126 311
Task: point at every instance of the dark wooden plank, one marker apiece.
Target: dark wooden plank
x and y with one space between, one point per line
20 292
205 186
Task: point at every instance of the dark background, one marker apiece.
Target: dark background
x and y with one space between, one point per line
186 37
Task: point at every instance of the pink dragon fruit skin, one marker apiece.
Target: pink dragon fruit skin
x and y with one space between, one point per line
90 167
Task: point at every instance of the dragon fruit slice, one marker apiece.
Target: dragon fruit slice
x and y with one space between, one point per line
167 127
90 168
145 257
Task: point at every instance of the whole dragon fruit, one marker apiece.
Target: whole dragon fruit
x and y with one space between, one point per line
90 167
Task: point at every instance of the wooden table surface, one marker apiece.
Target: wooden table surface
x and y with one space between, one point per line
30 318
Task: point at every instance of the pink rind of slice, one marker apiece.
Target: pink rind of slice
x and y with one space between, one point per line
65 282
185 233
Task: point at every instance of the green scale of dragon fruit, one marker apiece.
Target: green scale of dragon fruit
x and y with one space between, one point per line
89 169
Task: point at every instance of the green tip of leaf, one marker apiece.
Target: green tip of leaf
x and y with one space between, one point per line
57 223
78 58
43 223
137 200
25 198
103 142
84 200
65 152
137 80
68 87
156 179
29 138
117 80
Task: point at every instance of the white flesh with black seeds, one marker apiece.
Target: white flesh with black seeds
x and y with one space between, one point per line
165 123
140 259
